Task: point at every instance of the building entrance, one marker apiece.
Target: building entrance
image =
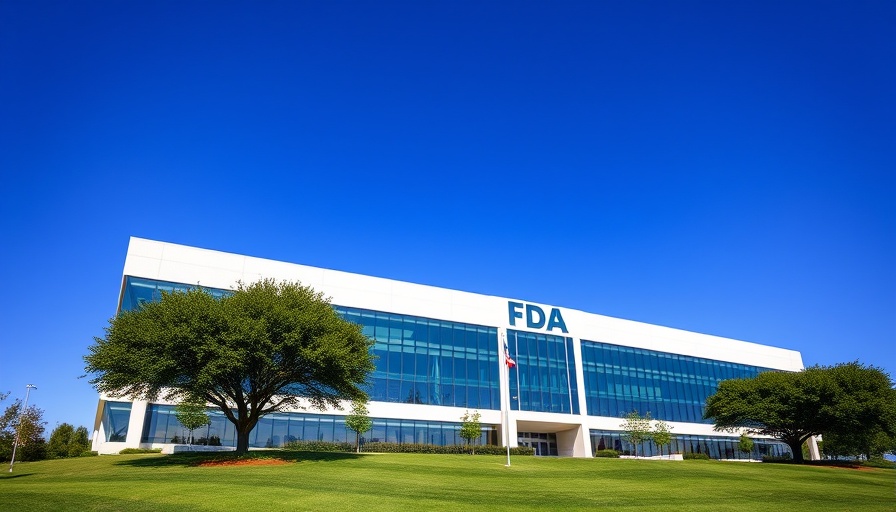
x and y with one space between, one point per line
543 443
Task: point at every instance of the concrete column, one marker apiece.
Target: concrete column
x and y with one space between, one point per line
135 425
575 442
814 454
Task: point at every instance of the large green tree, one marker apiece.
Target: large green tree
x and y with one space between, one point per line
267 347
848 399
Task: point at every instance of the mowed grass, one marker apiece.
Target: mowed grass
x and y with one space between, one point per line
374 482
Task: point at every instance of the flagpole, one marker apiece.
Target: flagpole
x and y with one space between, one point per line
507 409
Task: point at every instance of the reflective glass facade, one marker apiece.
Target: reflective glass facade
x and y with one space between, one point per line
717 447
139 291
274 430
671 387
116 416
419 360
544 378
427 361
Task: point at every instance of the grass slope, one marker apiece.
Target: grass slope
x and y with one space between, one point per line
373 482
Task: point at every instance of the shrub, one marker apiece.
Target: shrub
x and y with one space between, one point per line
131 451
458 449
319 446
89 453
695 456
378 447
777 458
610 454
879 463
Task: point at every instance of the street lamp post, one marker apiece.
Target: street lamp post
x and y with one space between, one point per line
15 444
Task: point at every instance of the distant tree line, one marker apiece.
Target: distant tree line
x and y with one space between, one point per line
65 440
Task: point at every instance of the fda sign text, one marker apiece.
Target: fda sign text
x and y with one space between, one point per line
535 316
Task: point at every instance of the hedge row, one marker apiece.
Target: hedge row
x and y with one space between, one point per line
377 447
319 446
131 451
609 454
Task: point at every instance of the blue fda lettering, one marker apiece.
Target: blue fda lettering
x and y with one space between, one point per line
513 308
556 320
535 316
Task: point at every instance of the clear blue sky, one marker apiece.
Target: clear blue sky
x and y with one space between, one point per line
722 167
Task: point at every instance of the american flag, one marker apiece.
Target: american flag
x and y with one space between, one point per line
510 362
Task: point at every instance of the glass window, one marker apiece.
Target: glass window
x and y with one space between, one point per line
672 387
420 358
116 416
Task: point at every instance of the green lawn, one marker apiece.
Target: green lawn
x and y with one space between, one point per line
372 482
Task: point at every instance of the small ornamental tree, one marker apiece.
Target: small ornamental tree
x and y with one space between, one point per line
192 414
470 428
662 434
636 429
745 444
358 421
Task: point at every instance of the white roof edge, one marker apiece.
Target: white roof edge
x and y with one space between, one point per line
168 261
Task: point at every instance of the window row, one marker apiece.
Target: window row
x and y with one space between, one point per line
434 393
139 291
468 369
544 378
426 361
275 430
411 331
671 387
716 447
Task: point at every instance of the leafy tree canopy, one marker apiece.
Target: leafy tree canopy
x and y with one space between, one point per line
67 441
661 434
30 426
192 414
262 349
636 429
745 444
848 399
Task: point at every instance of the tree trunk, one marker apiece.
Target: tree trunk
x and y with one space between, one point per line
797 448
242 441
357 442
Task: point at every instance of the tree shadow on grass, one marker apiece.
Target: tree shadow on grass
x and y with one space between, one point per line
195 459
16 475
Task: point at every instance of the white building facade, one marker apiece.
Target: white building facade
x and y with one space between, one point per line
440 354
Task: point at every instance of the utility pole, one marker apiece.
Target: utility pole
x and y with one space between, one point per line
15 444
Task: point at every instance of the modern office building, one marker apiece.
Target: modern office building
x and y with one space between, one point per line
440 353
